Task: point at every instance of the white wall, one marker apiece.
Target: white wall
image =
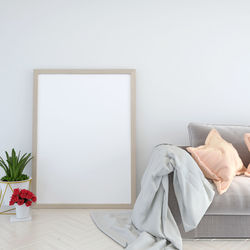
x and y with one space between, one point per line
192 60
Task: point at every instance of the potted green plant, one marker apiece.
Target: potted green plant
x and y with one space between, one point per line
14 177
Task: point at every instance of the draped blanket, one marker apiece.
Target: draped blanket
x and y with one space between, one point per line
151 224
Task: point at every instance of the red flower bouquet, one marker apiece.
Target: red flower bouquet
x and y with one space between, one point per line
21 197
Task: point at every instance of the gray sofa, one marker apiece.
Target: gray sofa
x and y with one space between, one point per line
229 214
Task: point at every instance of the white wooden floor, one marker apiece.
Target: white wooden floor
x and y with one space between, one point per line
73 229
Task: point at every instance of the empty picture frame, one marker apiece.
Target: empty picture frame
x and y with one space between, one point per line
84 138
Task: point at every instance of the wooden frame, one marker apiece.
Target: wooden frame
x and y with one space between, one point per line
37 73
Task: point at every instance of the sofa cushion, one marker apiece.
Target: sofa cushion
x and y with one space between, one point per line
232 133
218 160
236 201
247 140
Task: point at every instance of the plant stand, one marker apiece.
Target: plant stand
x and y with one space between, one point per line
6 191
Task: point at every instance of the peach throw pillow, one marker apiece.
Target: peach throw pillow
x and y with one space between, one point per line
247 141
218 160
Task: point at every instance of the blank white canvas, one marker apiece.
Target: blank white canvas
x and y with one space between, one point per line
84 139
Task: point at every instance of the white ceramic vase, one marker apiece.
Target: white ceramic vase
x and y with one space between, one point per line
22 211
8 186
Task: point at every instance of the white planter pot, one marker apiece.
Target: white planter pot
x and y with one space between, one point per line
22 211
7 188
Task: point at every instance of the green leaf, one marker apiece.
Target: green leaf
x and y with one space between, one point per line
3 165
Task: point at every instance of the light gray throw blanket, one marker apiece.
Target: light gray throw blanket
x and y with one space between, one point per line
151 224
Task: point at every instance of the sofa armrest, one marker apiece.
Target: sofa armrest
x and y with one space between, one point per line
183 147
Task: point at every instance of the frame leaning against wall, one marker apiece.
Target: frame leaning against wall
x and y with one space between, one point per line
42 184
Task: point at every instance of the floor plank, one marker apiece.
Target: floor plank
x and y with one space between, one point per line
52 229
